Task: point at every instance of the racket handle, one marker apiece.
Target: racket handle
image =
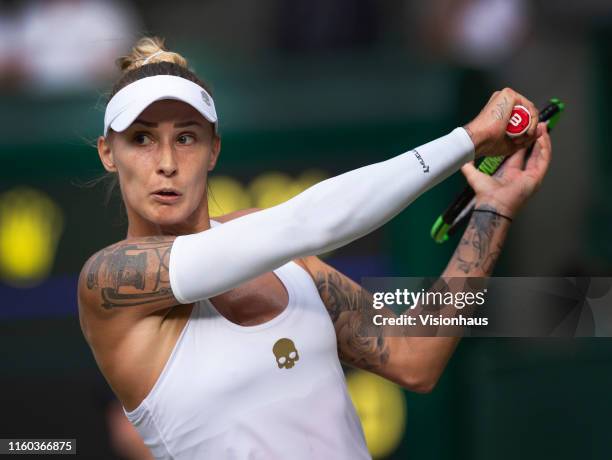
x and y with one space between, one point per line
447 222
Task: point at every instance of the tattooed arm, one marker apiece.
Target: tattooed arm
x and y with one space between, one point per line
131 273
417 362
413 362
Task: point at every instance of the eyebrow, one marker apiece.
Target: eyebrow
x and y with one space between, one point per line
187 123
146 123
183 124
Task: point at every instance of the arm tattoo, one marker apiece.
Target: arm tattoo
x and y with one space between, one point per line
131 274
476 251
349 306
499 112
363 344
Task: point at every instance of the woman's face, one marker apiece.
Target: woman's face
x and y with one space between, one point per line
169 146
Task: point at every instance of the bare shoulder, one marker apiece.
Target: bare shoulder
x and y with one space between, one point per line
131 274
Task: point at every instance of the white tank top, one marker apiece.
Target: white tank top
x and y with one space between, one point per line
271 391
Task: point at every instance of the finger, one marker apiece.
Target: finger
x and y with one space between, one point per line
540 158
471 173
535 114
521 141
500 171
545 146
493 96
522 100
544 138
531 133
517 159
541 128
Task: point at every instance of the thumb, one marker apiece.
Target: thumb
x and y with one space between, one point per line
471 173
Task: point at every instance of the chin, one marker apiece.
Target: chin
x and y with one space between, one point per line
168 215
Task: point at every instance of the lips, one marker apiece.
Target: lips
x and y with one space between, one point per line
166 195
167 191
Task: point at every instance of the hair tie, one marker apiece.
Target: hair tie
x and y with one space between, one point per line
157 53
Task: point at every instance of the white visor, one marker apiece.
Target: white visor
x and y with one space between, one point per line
131 101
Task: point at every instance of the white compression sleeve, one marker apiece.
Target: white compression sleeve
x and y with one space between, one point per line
328 215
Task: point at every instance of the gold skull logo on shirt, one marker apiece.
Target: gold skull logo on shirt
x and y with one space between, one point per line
286 353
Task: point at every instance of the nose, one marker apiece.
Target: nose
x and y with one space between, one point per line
167 161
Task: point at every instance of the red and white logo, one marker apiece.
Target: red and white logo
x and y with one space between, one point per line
519 122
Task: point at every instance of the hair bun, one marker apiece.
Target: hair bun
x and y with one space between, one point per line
146 47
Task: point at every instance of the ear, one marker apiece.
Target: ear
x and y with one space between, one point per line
106 155
214 155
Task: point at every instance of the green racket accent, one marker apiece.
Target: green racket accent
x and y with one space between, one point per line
490 164
555 118
439 231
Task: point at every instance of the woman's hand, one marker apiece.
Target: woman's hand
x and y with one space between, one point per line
510 187
488 129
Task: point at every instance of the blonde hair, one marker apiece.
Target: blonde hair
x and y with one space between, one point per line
150 57
149 50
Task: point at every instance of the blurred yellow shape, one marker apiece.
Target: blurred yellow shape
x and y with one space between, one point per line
310 177
227 195
266 190
381 406
30 227
270 189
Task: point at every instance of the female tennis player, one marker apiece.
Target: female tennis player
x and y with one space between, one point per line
223 338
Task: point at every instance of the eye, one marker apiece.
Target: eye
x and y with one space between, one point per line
185 139
142 139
